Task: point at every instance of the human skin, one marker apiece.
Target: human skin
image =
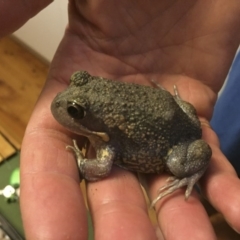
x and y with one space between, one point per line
14 13
190 45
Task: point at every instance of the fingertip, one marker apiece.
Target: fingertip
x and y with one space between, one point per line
223 192
186 219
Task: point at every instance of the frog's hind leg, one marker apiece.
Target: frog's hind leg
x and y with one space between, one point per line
176 94
187 163
157 85
173 183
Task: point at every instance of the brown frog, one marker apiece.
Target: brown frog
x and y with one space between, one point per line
139 128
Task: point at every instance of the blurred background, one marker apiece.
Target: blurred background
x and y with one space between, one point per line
44 32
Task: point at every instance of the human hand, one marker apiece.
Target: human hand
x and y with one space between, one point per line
14 16
190 45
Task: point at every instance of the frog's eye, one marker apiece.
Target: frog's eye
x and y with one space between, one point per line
75 110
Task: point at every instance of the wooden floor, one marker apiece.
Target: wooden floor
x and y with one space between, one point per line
22 76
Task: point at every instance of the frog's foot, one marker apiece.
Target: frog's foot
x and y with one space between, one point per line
157 84
79 156
77 152
187 162
96 168
174 183
176 94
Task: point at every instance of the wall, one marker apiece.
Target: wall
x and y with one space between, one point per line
43 32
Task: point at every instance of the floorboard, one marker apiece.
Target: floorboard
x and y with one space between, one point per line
22 77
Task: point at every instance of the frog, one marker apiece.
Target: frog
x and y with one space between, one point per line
144 129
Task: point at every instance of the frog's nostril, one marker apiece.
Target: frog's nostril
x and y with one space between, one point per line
57 104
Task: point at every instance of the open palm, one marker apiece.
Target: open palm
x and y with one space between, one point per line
188 43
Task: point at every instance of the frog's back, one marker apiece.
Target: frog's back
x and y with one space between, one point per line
143 122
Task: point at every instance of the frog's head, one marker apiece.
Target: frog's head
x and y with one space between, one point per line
72 107
69 111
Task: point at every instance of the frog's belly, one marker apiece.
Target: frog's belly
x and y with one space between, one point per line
142 165
144 158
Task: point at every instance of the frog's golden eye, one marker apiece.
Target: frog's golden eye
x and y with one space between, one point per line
75 110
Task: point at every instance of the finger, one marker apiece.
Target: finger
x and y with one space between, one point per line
179 218
118 208
221 184
51 202
14 15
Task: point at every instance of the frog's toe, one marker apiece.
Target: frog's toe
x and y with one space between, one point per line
170 179
78 153
169 188
174 183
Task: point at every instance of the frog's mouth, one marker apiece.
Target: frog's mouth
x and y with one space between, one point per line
87 133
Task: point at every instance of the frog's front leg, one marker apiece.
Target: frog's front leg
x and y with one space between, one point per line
187 162
97 168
